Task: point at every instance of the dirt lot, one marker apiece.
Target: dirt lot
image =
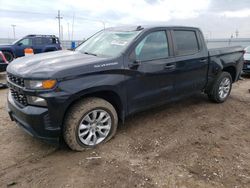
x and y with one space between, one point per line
192 143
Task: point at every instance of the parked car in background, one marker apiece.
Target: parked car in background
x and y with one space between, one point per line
80 95
3 62
39 44
246 66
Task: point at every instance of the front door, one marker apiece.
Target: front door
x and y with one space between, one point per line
21 45
151 72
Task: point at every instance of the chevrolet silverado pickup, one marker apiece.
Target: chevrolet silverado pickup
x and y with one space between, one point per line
79 96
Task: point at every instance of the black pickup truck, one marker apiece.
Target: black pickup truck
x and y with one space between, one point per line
80 95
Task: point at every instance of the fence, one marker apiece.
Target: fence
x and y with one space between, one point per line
217 43
212 43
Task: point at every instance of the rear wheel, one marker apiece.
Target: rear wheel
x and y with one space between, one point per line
90 122
8 55
221 88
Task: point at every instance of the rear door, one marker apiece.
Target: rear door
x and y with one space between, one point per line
151 68
38 45
191 61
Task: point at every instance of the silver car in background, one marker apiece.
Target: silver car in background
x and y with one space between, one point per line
246 66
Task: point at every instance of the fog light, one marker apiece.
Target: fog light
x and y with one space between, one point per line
33 100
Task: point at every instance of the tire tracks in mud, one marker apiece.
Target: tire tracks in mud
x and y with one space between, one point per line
30 159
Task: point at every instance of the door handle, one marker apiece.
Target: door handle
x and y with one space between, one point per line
203 60
170 66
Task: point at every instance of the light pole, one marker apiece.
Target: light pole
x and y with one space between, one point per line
14 31
59 17
104 25
68 33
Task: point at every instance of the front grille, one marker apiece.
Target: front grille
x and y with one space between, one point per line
20 98
16 80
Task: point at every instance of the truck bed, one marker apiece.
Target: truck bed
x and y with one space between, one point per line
225 50
229 58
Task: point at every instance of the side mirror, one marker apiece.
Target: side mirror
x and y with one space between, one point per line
133 62
19 44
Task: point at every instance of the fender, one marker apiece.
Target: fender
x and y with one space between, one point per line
8 48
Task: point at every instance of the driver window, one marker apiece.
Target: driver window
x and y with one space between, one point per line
25 42
153 46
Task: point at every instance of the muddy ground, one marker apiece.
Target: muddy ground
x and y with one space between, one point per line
192 143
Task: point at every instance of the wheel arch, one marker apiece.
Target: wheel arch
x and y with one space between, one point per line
108 95
10 51
232 71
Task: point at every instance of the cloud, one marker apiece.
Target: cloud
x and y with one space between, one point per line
142 10
219 17
228 5
237 13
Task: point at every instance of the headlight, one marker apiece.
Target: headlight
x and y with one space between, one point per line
36 101
40 84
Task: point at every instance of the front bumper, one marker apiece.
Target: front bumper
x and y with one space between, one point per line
34 120
246 67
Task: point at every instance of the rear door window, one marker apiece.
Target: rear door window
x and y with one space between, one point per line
186 42
38 41
46 41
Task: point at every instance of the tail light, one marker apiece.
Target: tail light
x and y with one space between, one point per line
3 57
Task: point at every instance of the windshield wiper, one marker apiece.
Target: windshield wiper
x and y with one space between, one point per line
88 53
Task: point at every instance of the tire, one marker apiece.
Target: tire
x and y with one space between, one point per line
8 55
221 88
77 122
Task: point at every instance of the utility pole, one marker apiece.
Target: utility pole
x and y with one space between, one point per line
72 30
59 17
210 34
14 31
237 33
68 32
104 25
61 32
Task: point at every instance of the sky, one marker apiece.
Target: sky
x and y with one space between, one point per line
216 18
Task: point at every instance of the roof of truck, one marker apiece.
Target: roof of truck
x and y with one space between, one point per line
141 27
45 36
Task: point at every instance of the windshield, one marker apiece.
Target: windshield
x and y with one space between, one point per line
107 43
247 49
16 41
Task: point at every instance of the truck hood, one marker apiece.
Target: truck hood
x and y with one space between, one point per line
4 46
56 65
247 56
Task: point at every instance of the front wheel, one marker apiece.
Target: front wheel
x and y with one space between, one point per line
8 55
221 88
89 122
